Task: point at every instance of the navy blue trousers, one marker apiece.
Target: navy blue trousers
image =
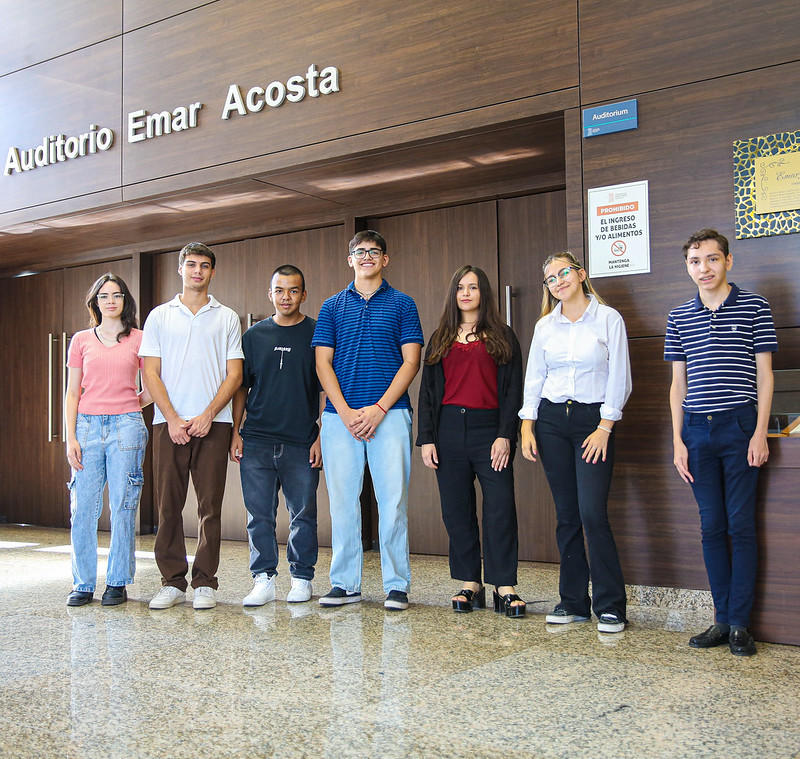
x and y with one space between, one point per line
725 489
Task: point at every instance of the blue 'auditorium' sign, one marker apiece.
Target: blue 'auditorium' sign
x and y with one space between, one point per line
615 117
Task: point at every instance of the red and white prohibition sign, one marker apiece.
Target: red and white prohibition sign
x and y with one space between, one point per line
618 247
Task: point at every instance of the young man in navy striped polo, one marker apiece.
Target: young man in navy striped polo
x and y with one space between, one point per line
721 344
368 343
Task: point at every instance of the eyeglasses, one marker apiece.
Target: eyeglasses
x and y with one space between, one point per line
104 297
560 274
359 253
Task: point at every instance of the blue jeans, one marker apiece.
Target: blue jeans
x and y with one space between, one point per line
265 468
112 450
725 490
389 457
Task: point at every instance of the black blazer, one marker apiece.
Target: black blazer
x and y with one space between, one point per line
509 396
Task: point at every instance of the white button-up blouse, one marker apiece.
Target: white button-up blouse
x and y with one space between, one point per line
585 361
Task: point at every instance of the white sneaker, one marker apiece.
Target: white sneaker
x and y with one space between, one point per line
263 591
301 591
168 596
204 598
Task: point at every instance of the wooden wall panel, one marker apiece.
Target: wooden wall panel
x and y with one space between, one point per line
136 13
399 63
651 509
530 229
684 147
633 48
424 251
38 30
777 602
63 96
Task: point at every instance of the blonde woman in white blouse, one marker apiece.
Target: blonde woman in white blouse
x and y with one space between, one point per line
576 384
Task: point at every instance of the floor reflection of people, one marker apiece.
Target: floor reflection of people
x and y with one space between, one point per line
370 683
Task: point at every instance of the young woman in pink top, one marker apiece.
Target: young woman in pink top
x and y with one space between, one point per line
106 438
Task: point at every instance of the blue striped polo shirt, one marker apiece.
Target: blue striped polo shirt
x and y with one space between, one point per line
719 348
367 337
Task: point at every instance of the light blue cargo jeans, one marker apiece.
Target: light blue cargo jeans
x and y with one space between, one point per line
112 450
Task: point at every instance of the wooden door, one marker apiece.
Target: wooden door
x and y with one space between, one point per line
241 283
321 254
424 250
32 456
530 228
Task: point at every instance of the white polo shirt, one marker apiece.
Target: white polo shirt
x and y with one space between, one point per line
193 349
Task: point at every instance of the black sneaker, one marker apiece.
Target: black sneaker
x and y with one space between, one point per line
610 622
396 601
339 596
79 598
114 596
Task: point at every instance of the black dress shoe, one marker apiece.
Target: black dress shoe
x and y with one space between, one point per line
114 596
79 598
710 638
741 643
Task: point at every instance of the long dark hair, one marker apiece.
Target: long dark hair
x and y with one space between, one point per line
128 315
489 327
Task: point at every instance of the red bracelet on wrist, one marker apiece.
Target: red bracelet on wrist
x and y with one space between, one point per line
381 407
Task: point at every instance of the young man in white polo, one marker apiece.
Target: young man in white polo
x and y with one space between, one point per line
192 350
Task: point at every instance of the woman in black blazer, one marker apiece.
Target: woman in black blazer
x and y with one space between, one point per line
470 395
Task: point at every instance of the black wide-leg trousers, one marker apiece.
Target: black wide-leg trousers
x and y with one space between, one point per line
464 449
580 491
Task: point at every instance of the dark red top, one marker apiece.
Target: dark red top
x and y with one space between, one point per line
470 376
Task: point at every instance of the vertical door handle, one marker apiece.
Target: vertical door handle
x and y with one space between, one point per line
249 320
64 345
509 296
51 341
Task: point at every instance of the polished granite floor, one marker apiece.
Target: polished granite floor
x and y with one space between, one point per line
302 681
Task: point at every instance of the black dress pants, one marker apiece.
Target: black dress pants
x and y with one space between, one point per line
580 491
464 448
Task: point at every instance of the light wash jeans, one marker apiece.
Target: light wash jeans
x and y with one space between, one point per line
389 457
112 450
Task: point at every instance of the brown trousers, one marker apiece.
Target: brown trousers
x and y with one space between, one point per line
206 458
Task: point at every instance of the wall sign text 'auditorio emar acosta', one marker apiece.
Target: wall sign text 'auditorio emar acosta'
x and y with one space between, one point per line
142 125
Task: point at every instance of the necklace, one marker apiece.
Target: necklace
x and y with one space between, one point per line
366 296
103 338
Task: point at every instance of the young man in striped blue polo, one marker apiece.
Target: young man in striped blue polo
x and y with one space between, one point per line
720 344
368 342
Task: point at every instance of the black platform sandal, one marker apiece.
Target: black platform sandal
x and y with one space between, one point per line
476 599
505 605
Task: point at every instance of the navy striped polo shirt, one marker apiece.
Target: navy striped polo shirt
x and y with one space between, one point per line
719 348
367 337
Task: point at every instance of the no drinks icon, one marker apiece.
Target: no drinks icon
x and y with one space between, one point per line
618 248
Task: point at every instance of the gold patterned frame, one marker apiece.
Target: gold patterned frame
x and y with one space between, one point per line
748 222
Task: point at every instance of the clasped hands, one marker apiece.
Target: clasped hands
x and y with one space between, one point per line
182 431
361 423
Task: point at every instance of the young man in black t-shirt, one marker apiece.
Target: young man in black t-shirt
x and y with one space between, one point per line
278 446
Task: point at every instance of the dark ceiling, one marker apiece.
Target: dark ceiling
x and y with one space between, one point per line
501 162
